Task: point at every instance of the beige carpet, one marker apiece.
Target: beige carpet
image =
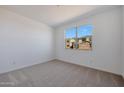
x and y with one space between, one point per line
59 74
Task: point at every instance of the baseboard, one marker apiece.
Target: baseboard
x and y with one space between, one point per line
67 61
122 76
40 62
21 67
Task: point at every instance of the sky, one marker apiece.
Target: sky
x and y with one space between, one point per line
82 31
71 32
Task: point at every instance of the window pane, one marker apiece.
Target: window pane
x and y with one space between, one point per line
84 37
70 33
83 31
70 38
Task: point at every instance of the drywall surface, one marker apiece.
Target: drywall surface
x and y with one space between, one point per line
106 52
23 42
122 42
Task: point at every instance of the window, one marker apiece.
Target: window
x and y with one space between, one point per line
70 35
79 37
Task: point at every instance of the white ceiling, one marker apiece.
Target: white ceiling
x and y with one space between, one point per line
52 15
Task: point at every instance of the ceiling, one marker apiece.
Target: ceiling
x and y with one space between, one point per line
52 15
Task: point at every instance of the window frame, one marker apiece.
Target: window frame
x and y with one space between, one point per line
78 38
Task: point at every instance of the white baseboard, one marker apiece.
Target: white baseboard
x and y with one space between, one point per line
96 68
24 66
122 76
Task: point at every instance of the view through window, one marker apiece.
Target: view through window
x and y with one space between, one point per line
79 37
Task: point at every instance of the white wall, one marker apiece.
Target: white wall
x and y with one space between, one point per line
23 42
123 43
106 53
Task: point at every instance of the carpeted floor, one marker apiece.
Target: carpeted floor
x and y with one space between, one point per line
59 74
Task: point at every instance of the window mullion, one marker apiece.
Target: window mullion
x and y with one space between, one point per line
76 37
